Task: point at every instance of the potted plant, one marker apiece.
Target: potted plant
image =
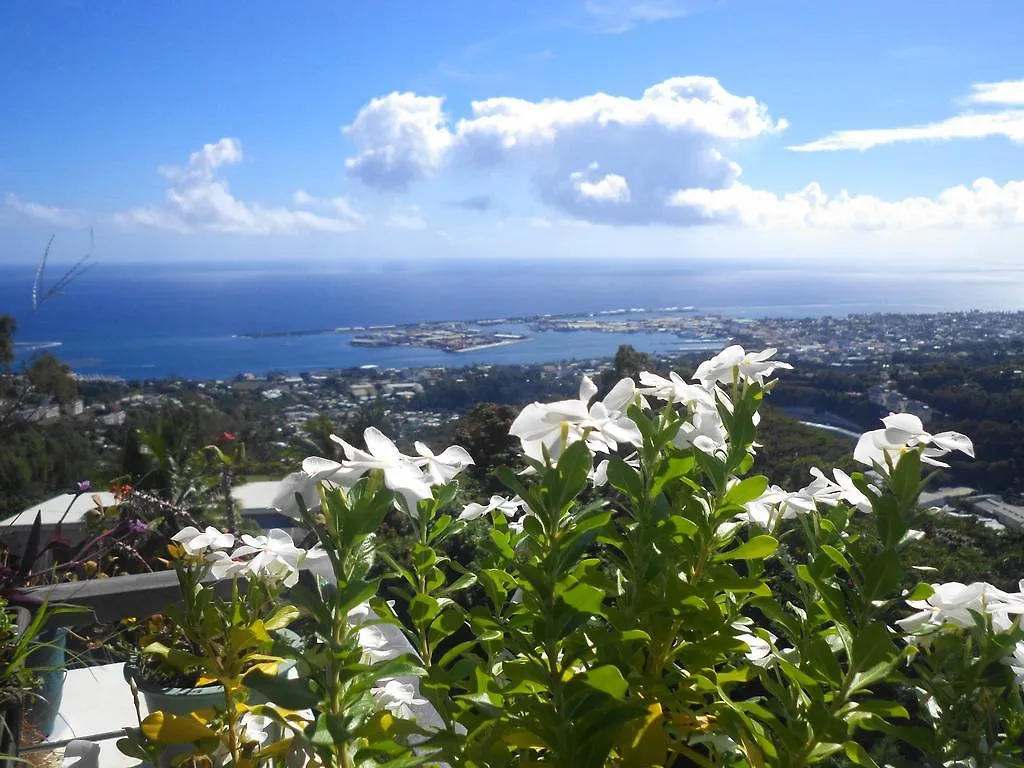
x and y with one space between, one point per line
194 658
20 642
46 563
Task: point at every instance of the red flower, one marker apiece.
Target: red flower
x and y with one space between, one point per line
226 436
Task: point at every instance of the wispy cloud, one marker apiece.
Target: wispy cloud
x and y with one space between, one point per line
921 51
406 218
14 207
618 16
539 57
474 203
967 125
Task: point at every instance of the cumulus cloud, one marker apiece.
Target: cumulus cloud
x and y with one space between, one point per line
969 125
15 207
982 205
673 137
199 201
402 138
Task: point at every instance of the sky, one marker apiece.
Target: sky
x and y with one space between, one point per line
819 133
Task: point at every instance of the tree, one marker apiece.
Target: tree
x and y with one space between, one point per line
8 327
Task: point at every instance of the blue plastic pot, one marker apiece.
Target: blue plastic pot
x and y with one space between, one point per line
48 662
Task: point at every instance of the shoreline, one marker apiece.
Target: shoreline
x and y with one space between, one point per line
478 347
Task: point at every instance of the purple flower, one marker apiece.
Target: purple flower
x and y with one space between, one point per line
83 486
136 527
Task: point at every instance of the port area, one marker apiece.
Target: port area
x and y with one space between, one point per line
453 337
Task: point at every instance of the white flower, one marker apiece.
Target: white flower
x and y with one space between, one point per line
903 432
222 565
301 483
441 468
598 476
401 474
508 507
734 363
760 650
274 555
953 602
252 728
398 698
674 389
822 490
555 426
375 645
1016 662
768 508
196 542
705 431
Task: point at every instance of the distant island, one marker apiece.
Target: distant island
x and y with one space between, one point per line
467 336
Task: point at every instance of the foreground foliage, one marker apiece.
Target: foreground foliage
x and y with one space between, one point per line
647 602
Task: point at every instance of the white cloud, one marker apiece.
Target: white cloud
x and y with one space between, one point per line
340 205
983 205
199 201
672 137
1004 92
611 188
402 138
15 207
969 125
406 218
539 222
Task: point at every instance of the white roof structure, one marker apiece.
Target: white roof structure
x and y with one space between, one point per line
258 496
52 510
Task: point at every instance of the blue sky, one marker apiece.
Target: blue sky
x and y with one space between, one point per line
767 131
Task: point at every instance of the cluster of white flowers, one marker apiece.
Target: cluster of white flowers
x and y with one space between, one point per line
411 477
954 605
395 696
904 432
547 429
273 556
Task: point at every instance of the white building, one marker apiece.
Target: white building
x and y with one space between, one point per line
15 530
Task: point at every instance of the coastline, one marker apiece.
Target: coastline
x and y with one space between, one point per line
478 347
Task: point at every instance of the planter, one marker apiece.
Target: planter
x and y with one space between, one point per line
10 730
49 663
176 701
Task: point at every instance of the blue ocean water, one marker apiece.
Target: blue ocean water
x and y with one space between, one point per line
152 320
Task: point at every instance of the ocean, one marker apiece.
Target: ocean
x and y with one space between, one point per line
155 320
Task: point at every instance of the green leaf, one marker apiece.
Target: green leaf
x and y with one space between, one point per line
282 617
423 557
836 556
165 728
290 693
607 679
465 580
746 490
626 479
757 548
585 598
921 592
423 609
858 755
